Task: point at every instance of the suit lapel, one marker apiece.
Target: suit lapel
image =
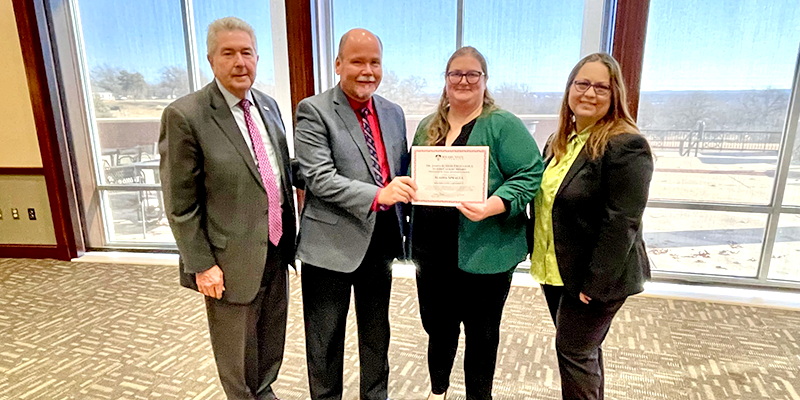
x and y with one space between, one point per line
222 115
348 117
579 162
277 140
380 107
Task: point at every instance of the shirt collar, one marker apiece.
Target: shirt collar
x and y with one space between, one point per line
357 105
583 135
230 98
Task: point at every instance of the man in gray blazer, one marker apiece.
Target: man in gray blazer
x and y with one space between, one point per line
350 145
227 189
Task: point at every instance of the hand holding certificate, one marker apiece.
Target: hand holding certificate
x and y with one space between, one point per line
449 176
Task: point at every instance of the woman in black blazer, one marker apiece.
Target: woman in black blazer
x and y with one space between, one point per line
587 248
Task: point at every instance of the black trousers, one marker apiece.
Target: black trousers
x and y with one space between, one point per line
580 332
449 296
248 340
326 300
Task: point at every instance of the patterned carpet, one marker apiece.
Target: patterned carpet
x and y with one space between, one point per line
101 331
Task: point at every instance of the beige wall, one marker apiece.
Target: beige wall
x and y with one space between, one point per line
23 192
19 146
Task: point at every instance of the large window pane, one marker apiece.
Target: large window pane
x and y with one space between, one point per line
715 88
129 90
786 252
418 37
257 14
530 48
705 242
134 52
136 62
136 216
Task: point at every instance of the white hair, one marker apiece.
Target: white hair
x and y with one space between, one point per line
224 25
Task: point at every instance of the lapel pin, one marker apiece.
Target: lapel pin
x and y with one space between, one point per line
266 108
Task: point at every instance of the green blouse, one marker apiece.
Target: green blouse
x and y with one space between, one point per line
544 266
498 243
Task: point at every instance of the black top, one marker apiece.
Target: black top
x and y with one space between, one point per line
435 228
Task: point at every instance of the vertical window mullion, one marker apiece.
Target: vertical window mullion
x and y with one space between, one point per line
459 24
324 49
280 54
592 39
790 127
189 29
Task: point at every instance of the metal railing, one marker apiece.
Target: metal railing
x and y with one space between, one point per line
692 141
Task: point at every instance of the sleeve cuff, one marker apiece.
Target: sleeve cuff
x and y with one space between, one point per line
375 206
507 205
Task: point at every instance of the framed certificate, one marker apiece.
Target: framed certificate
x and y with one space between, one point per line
449 176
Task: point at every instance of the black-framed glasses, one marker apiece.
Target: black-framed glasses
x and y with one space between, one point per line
454 77
600 89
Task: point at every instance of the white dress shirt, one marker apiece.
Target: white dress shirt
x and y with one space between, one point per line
238 115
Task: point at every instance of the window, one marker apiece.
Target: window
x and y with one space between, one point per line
414 53
792 194
786 252
528 61
715 88
258 16
129 92
530 48
716 85
707 242
133 59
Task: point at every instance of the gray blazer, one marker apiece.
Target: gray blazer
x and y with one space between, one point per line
214 198
336 224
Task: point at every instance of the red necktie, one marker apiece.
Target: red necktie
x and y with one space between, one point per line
375 165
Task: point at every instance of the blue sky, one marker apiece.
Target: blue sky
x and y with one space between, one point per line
723 44
147 35
691 44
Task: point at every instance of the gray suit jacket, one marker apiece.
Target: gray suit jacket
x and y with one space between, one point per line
214 198
336 224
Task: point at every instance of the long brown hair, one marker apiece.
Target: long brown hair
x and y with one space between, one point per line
438 126
617 120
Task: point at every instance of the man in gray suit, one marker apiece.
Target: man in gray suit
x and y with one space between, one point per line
350 145
225 175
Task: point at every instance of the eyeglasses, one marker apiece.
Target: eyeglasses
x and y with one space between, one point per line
600 89
454 77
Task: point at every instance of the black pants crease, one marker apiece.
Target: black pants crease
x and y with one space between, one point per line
580 331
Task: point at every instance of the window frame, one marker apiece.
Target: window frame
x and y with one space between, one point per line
80 115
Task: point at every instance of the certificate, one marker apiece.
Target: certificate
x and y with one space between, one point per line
449 176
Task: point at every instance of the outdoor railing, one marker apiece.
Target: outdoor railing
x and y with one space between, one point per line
691 141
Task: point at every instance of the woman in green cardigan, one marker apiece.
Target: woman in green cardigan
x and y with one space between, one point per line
465 256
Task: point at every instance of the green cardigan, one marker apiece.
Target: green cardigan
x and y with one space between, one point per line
497 244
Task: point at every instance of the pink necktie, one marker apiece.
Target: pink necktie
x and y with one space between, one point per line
267 176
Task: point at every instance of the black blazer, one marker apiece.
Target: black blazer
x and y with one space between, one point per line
597 220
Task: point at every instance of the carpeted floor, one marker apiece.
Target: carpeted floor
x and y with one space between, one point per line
102 331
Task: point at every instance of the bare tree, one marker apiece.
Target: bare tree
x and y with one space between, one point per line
762 109
174 82
104 78
408 92
133 84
